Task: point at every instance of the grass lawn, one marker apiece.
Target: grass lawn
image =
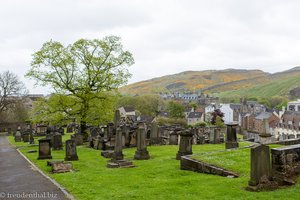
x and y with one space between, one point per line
158 178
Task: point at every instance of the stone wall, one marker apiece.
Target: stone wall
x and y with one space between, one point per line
187 163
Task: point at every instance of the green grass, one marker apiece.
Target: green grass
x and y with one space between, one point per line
158 178
272 88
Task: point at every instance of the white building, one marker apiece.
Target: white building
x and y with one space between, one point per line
293 105
232 112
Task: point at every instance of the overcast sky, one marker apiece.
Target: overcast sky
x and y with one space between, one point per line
165 37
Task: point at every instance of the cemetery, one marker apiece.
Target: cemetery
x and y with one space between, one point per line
187 168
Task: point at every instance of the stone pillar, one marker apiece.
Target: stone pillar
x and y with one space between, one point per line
260 164
185 145
44 149
57 142
18 137
231 138
141 153
118 153
71 152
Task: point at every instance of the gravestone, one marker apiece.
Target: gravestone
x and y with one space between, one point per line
69 129
78 138
185 145
214 136
44 149
231 138
173 140
71 152
49 136
142 152
25 136
154 138
9 131
18 137
57 142
260 164
31 138
117 118
117 157
118 153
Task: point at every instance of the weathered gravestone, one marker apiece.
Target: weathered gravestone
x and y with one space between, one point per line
260 171
231 138
286 164
118 153
117 158
142 152
214 135
25 136
60 166
78 138
173 140
57 142
185 145
44 149
71 152
154 136
9 131
18 137
31 138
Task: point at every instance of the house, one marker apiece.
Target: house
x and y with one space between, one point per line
232 112
293 105
194 118
289 125
126 111
259 124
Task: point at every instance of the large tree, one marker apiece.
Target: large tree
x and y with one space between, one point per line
87 71
11 88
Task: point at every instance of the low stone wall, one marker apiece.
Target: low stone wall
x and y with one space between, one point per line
286 164
187 163
289 142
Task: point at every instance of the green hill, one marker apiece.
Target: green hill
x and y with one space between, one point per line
224 83
192 81
278 84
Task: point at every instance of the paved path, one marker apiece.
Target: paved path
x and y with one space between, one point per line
17 178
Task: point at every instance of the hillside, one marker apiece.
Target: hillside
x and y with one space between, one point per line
198 80
278 84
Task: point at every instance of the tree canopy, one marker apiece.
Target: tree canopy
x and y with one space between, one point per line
10 89
85 73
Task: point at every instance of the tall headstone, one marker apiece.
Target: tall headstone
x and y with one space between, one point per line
57 142
260 164
117 118
231 137
18 137
154 138
185 145
31 138
44 149
141 152
118 153
71 152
